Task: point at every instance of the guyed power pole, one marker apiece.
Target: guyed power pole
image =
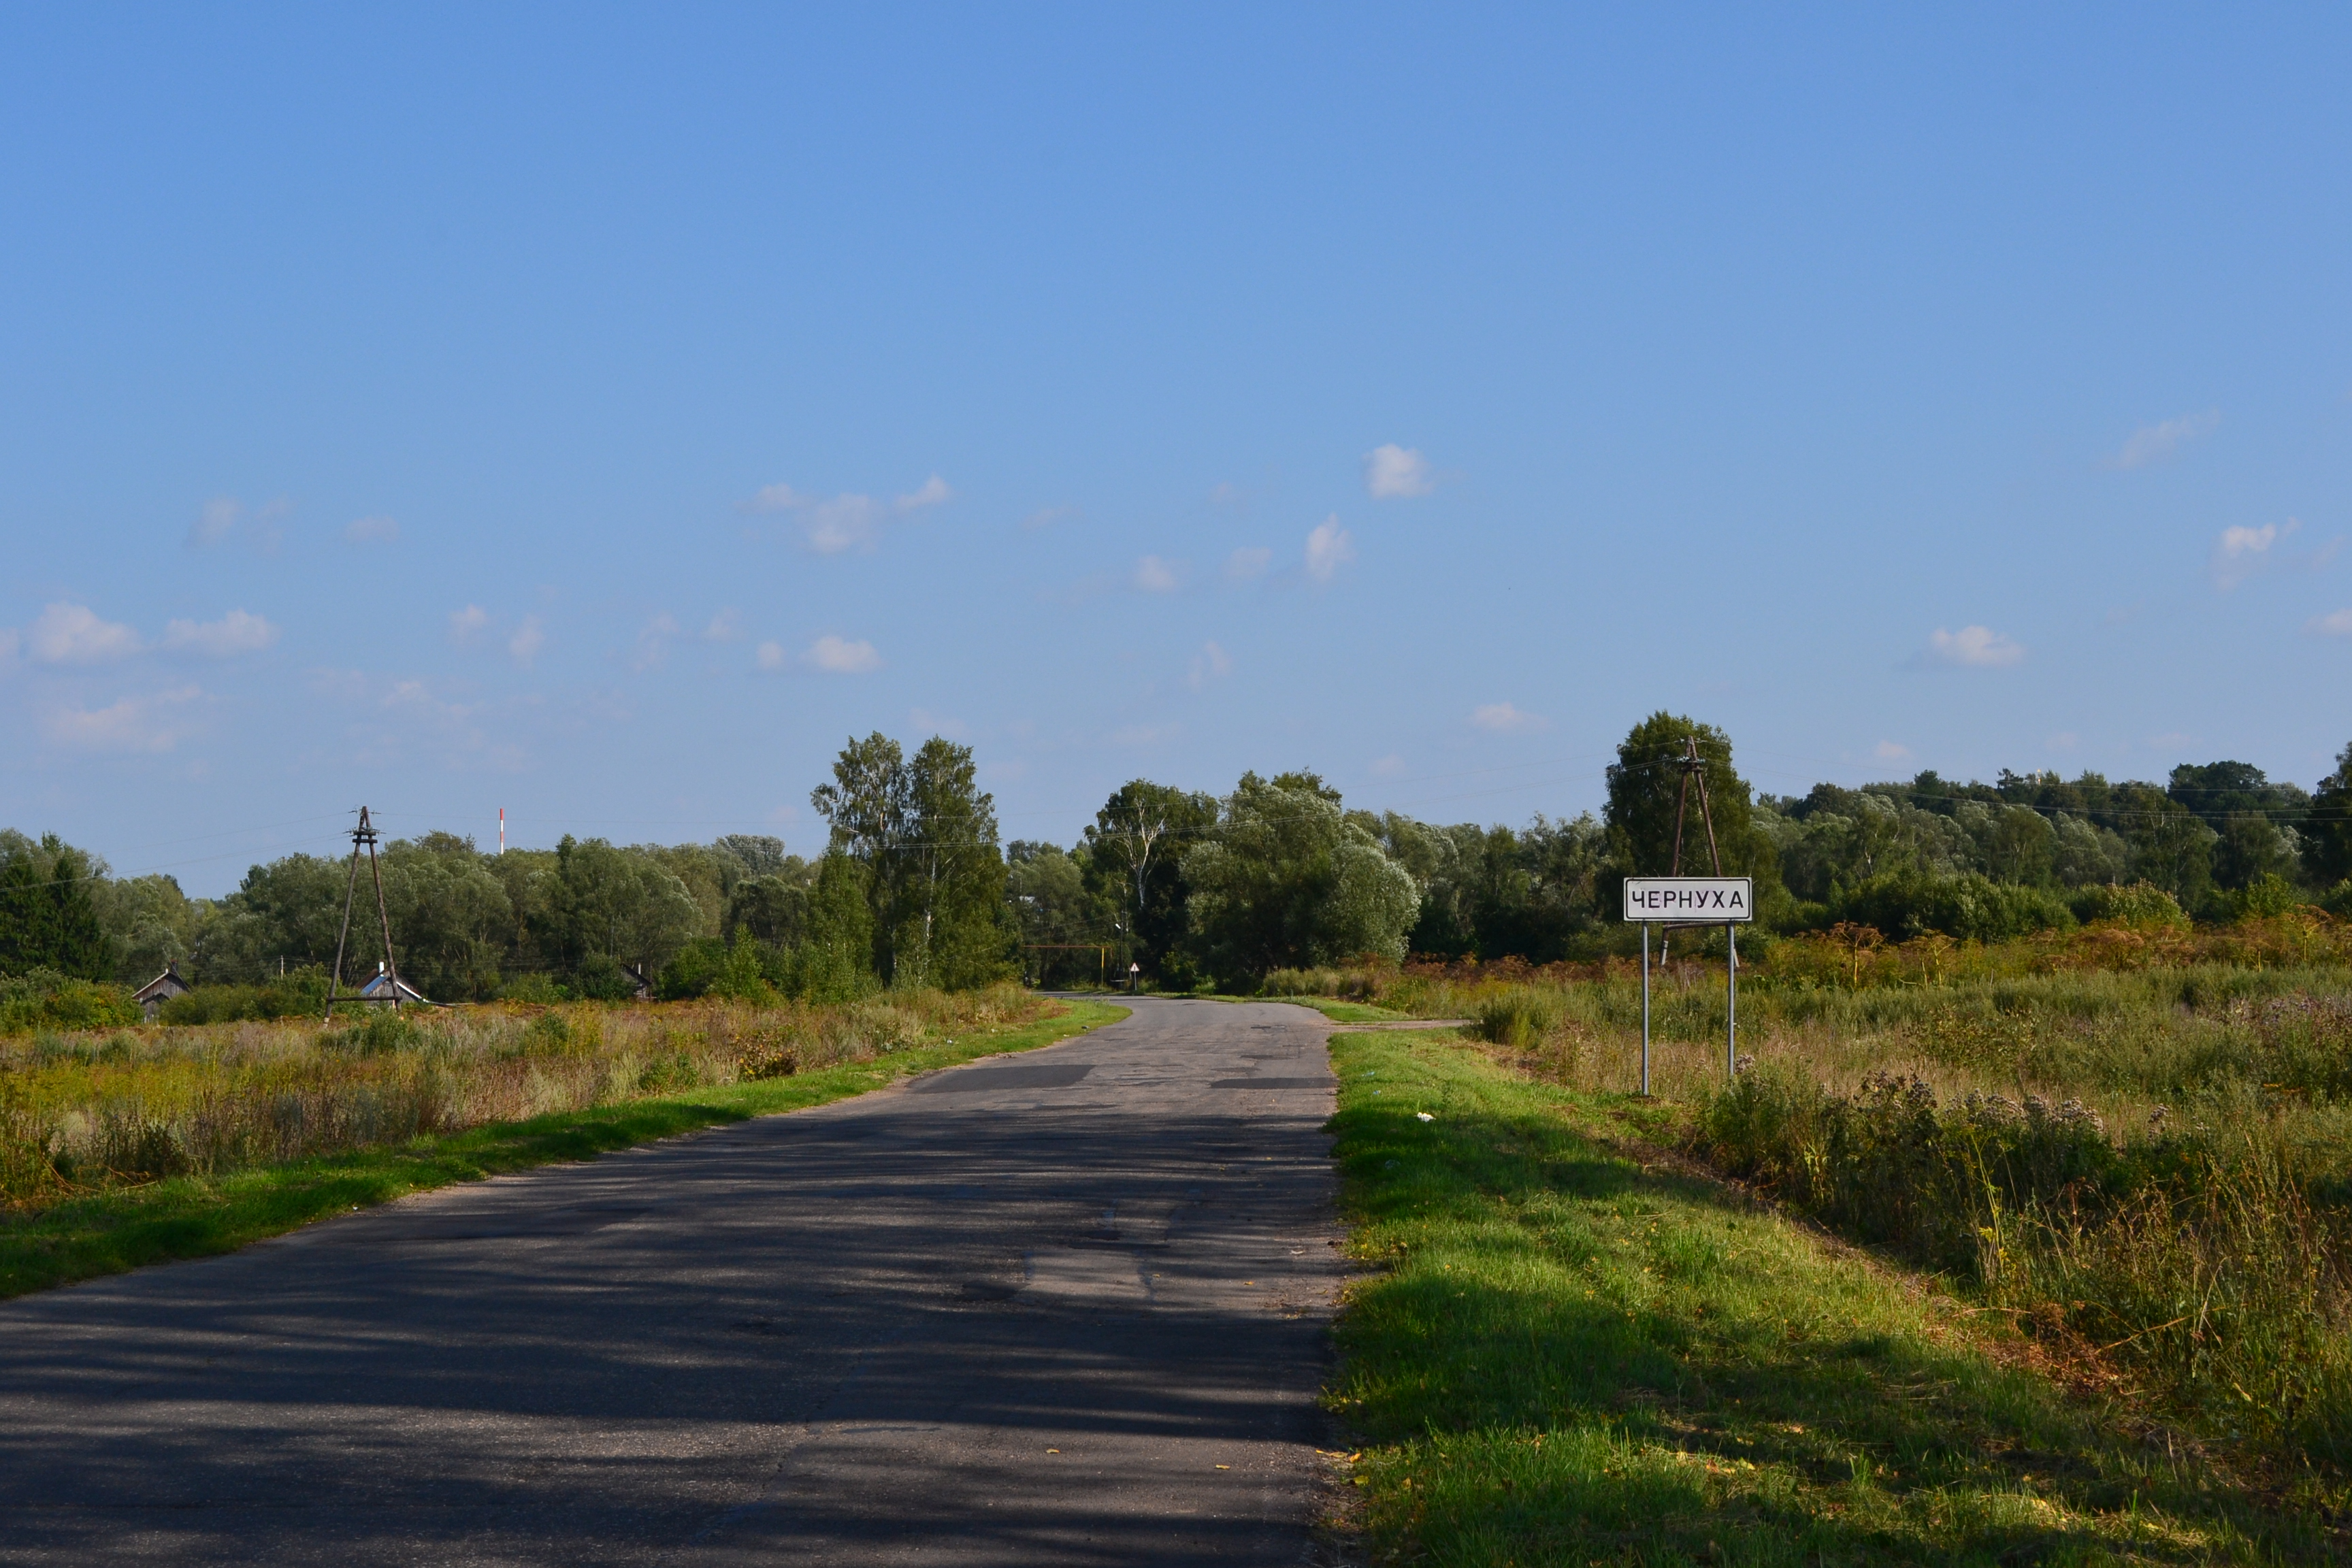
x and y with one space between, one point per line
363 834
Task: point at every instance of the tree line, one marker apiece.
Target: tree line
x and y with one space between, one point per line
913 886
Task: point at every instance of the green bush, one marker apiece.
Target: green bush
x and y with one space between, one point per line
601 979
1350 984
1517 1017
2136 904
1890 1164
43 998
1968 907
692 973
539 989
383 1032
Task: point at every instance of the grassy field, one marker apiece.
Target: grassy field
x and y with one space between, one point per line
639 1074
2139 1151
1563 1353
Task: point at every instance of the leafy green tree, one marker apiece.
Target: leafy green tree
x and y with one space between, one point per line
284 914
620 905
2171 848
449 917
153 924
2327 832
49 916
774 909
866 806
958 931
1644 785
1288 880
1135 851
926 835
2083 855
1051 901
834 962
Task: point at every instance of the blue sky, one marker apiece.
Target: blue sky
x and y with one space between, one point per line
604 414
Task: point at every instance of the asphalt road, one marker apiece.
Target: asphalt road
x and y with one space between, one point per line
1064 1307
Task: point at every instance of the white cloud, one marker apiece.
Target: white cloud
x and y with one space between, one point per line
2154 443
2241 551
133 724
845 522
371 531
1387 767
1224 493
1328 547
1505 718
1211 663
725 626
653 642
72 633
235 633
223 515
213 523
1977 646
1250 561
1891 752
2339 625
1392 471
1046 517
529 638
932 493
939 723
467 623
837 656
777 497
1153 575
9 643
769 656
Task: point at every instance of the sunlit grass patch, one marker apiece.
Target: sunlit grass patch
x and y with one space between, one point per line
1564 1357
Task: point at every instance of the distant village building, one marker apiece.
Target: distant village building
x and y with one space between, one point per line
151 997
379 989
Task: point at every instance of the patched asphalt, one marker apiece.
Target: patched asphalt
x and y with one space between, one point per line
1064 1307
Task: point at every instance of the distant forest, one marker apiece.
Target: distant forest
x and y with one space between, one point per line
914 887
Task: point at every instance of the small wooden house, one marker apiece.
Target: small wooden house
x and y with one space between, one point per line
151 997
644 992
379 989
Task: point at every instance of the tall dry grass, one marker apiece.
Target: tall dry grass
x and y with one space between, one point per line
2148 1164
81 1110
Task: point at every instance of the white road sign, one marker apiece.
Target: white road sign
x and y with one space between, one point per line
1705 900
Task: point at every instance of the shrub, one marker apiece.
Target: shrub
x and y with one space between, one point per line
45 998
1343 983
538 989
600 978
1968 907
1517 1017
692 974
2140 904
1890 1163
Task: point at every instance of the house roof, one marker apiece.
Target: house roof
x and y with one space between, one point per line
166 984
380 986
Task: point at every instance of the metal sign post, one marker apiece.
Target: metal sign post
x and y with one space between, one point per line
1672 901
1645 1009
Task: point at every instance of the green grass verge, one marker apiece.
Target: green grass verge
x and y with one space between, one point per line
1563 1356
196 1217
1338 1012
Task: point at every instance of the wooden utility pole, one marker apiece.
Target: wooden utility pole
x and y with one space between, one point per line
364 834
1692 767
